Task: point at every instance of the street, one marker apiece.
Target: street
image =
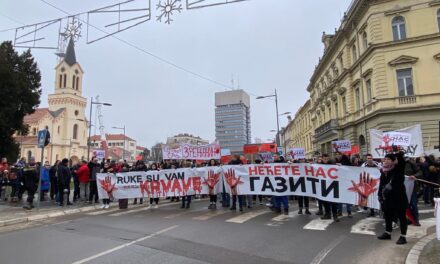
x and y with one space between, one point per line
169 234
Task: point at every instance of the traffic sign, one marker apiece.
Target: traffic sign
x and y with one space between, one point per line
42 138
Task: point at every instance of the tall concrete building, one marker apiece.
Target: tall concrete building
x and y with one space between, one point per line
233 120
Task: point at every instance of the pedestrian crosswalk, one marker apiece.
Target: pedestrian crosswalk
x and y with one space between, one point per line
358 225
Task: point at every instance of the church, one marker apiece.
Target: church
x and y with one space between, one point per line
64 118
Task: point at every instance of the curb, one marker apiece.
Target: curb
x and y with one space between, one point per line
44 216
416 250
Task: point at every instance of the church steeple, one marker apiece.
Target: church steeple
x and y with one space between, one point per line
70 57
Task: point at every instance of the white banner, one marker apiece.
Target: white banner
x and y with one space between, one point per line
192 152
100 154
341 184
409 138
165 183
341 146
297 153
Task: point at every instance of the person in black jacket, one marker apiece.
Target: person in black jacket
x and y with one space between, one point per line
330 208
53 181
31 177
392 195
237 161
64 178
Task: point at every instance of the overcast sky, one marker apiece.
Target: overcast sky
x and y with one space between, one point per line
267 44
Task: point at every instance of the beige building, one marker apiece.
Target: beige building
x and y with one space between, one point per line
64 118
299 131
186 138
117 144
380 69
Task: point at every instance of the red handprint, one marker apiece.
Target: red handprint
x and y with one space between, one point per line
212 181
365 187
232 180
145 188
107 185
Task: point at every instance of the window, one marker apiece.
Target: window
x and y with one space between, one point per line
344 105
64 80
369 92
58 130
365 40
29 155
405 82
438 18
73 81
354 53
399 30
77 82
357 95
60 81
75 131
34 131
336 110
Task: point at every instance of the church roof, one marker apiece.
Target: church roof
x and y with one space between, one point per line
40 113
70 57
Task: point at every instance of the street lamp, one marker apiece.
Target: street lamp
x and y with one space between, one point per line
276 106
90 124
122 128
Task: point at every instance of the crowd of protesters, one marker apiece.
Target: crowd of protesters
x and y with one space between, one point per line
62 178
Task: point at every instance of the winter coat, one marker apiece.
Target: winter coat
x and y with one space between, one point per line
30 176
394 198
64 176
83 173
94 168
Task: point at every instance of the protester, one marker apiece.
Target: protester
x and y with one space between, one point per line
392 195
186 198
212 194
76 189
414 172
140 166
370 163
83 178
236 161
106 169
330 208
280 199
344 161
94 168
54 181
64 179
45 180
154 199
303 201
30 176
4 167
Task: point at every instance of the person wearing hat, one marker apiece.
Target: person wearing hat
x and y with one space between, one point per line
30 176
64 179
392 195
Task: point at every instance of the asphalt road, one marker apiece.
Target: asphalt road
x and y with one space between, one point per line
198 235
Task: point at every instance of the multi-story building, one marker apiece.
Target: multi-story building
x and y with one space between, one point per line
379 70
186 138
64 118
119 144
232 120
299 131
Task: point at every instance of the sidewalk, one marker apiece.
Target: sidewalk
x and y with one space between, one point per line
13 213
431 252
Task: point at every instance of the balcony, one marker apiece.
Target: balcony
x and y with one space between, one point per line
404 100
327 130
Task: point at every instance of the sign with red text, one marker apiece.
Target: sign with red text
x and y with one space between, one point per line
154 184
341 146
340 184
192 152
410 139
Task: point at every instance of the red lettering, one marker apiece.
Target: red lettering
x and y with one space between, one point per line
269 170
252 170
320 172
295 170
176 186
166 187
286 169
155 187
260 170
197 184
330 175
277 170
186 185
309 171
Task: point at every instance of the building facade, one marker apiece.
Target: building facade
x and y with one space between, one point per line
379 70
120 146
299 132
186 138
232 120
64 118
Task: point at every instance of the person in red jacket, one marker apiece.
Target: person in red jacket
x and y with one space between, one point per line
83 177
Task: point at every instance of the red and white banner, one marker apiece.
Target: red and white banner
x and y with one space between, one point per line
297 153
192 152
341 146
165 183
341 184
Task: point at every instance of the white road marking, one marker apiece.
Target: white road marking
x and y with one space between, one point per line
247 216
210 215
281 219
366 226
318 224
426 211
124 245
323 253
420 231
